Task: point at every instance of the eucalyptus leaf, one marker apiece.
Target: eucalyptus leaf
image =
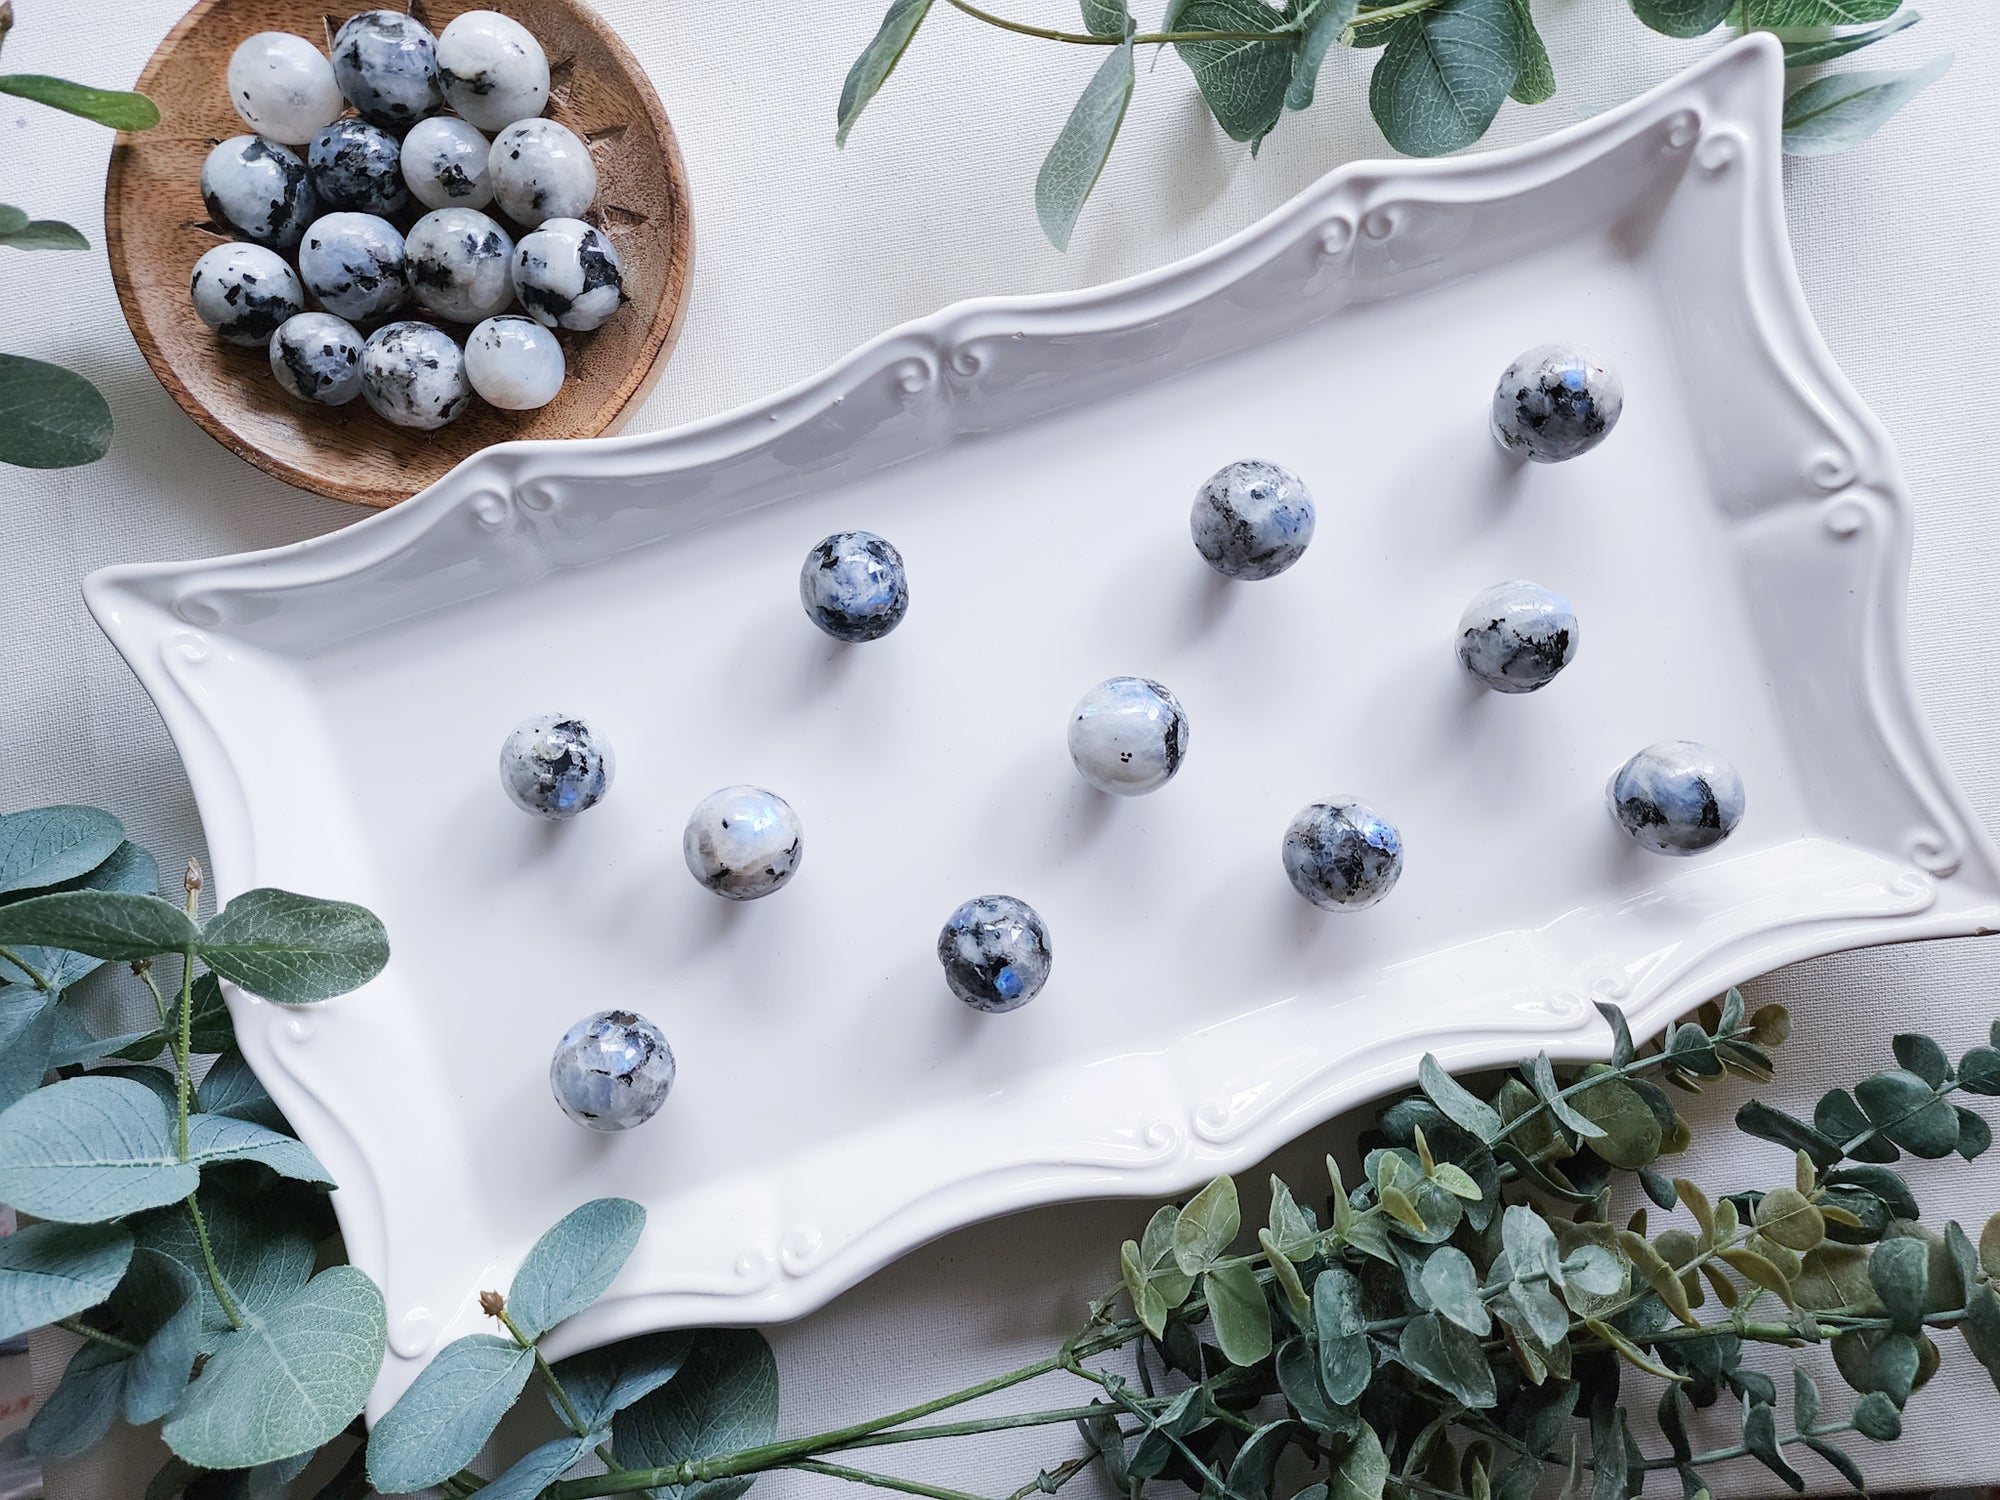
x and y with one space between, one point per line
1344 1357
1787 1217
48 845
1452 1283
1836 113
82 1407
1628 1132
1846 1467
1760 1436
1682 18
1450 1358
604 1381
1786 15
569 1267
1106 17
441 1422
1755 1117
1909 1112
263 1254
1442 79
1320 23
294 949
230 1090
1974 1134
1081 149
1535 83
170 1324
1877 1419
725 1398
1979 1071
538 1468
128 868
51 1271
219 1138
11 219
289 1380
90 1149
1243 83
1530 1244
1457 1103
27 1040
1241 1316
1899 1270
1921 1055
1206 1226
116 108
50 418
45 234
1361 1473
1885 1184
120 925
877 61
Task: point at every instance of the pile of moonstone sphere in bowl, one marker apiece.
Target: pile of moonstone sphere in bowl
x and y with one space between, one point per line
399 159
1129 737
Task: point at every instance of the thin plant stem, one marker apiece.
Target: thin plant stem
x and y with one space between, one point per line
1091 39
983 1425
215 1281
879 1481
1054 1479
35 976
144 969
184 1036
97 1335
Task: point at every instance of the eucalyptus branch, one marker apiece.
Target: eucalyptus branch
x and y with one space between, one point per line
879 1481
97 1335
1284 33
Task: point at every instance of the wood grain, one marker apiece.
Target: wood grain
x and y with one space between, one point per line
156 228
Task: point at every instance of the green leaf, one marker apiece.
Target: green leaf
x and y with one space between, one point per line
1838 1459
1530 1244
1760 1436
1452 1283
89 1149
1885 1184
1156 1282
1255 1465
1345 1362
1535 83
264 1254
1457 1103
289 1381
230 1089
1362 1471
211 1027
1206 1226
1450 1358
1786 1217
45 234
441 1422
50 418
128 869
1543 1075
1629 1132
1979 1071
1594 1271
12 218
725 1398
1106 17
1543 1314
877 61
114 107
1319 23
1989 1248
538 1468
1075 161
1974 1134
1293 1229
48 845
1805 1399
1982 1330
1241 1316
1755 1117
1682 18
570 1266
1921 1055
28 1020
81 1409
1834 114
50 1271
121 925
164 1300
294 949
1909 1112
219 1138
1877 1419
1899 1270
603 1382
1442 79
1790 14
1630 1351
1244 83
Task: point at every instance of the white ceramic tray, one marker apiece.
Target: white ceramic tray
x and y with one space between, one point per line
1737 553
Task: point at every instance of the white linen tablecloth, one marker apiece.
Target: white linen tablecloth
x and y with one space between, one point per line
803 252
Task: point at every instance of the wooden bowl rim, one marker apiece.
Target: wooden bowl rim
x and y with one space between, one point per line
663 332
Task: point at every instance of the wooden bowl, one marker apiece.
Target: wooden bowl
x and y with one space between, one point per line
155 228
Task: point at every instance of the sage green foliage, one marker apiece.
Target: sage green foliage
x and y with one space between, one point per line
180 1218
1445 69
51 417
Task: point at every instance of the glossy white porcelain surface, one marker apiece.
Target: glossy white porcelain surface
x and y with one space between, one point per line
1736 553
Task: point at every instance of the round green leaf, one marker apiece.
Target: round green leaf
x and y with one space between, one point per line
1241 1316
1631 1137
1243 83
48 845
294 949
50 1271
570 1266
289 1381
1786 1217
603 1382
1444 75
89 1149
441 1422
50 418
725 1398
